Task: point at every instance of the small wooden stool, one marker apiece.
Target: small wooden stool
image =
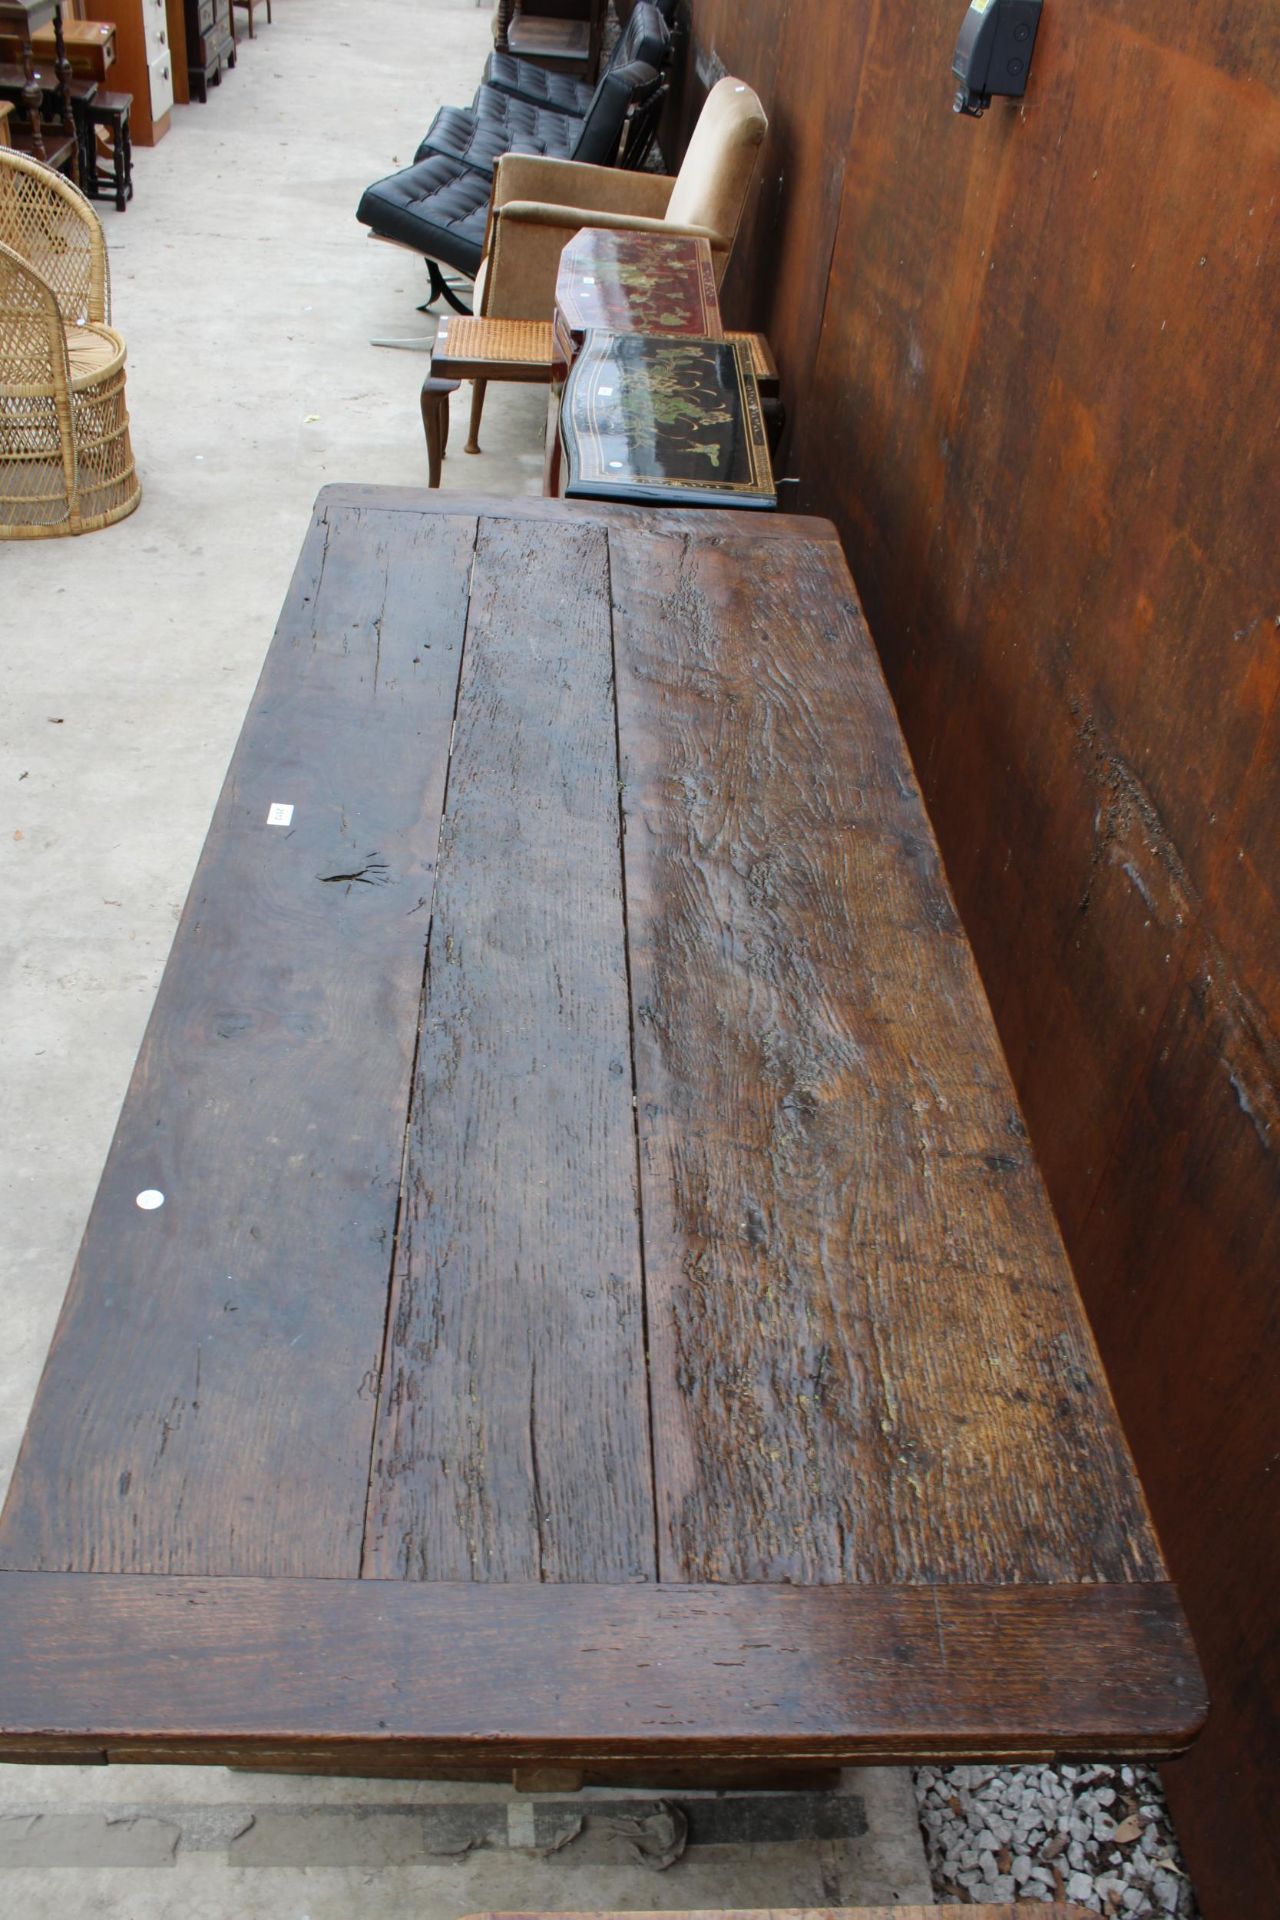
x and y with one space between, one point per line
110 110
435 421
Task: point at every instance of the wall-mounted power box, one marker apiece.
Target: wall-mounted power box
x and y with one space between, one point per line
993 53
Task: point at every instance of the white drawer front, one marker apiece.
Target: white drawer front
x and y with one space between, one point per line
161 71
155 30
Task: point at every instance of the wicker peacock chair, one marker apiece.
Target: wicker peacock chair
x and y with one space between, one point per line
66 465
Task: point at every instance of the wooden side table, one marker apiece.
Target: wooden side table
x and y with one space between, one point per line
663 423
625 282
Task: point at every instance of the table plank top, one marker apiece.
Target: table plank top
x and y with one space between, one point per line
1030 1910
596 1216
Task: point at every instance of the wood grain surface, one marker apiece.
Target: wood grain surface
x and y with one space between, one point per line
588 1162
208 1403
513 1439
868 1358
173 1669
1034 1911
1029 369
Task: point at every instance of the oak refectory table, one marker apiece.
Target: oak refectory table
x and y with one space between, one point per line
570 1288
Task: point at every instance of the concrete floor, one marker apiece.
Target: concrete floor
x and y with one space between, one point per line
249 297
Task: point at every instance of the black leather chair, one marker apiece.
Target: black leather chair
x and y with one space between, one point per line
499 123
439 206
646 37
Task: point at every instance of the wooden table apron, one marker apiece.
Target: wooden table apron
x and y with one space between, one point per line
604 1308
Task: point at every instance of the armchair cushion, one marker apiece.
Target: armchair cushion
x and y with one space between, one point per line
521 80
585 189
478 142
711 186
477 136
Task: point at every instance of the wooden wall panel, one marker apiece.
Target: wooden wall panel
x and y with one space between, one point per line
804 61
1031 371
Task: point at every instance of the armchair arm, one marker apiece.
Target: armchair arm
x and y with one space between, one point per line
571 183
536 213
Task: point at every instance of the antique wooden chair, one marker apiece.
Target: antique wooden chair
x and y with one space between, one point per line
66 462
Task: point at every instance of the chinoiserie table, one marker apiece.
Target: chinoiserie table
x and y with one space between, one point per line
617 281
571 1286
663 422
659 285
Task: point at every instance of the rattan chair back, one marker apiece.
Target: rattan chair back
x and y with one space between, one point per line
48 221
66 460
37 442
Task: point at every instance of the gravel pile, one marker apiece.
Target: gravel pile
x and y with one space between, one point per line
1096 1835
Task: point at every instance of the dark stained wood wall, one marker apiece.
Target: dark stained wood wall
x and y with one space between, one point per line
1031 367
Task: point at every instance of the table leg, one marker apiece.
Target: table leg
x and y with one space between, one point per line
477 408
435 422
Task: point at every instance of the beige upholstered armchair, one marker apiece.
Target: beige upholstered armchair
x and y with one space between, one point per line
538 205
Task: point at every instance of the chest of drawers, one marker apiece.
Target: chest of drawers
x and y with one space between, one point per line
143 64
210 44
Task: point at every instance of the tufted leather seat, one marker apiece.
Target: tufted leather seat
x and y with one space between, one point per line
478 139
436 206
439 205
646 38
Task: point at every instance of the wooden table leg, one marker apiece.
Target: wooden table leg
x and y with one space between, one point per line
435 422
477 408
